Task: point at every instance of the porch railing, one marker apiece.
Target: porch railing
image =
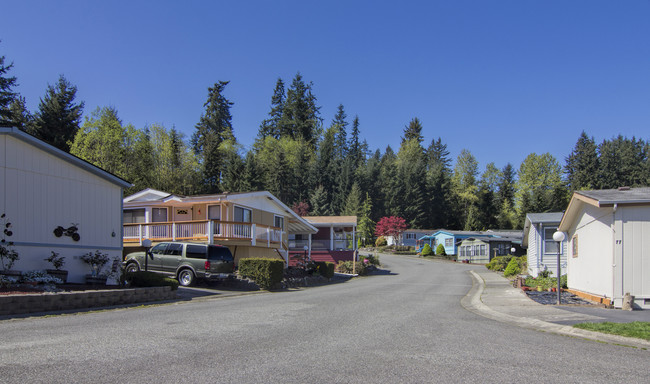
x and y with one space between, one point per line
203 230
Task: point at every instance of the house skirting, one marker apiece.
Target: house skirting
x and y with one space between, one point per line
591 297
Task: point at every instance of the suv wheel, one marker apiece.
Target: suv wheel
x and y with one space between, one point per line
132 267
185 277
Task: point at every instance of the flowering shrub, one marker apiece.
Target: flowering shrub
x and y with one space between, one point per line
40 277
96 261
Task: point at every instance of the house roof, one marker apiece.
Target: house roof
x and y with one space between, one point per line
327 220
535 218
74 160
603 198
514 239
149 196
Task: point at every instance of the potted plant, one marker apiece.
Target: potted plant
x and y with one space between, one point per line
96 261
57 262
8 255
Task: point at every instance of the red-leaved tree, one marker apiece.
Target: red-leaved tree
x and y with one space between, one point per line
391 226
301 208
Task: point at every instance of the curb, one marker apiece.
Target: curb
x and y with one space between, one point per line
473 303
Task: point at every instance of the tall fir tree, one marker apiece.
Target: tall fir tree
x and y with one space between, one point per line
353 202
213 129
271 126
465 187
581 167
319 202
507 216
366 227
622 163
20 116
58 117
355 148
439 185
413 131
300 115
7 95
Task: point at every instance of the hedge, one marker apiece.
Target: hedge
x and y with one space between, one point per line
325 268
150 279
264 272
426 250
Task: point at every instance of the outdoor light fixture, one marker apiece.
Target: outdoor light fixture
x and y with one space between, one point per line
559 237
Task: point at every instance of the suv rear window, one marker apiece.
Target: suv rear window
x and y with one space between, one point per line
196 251
219 253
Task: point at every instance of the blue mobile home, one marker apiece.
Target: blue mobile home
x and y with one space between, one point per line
449 239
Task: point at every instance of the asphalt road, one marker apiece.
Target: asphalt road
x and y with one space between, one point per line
404 326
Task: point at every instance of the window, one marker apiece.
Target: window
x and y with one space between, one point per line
410 236
449 242
243 215
278 221
214 212
462 251
133 216
574 246
196 251
174 249
550 245
158 215
219 253
483 250
159 249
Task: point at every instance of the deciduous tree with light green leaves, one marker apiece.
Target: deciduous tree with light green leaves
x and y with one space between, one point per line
539 186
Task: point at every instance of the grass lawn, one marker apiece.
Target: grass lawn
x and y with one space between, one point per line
638 329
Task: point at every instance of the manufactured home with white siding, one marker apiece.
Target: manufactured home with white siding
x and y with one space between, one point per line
609 252
44 188
538 239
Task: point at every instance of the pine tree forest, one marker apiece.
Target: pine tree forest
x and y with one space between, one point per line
321 167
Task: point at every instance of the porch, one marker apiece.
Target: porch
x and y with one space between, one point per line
209 231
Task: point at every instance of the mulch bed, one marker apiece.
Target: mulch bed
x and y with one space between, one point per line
550 298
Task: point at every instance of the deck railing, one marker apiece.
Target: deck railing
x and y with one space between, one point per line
203 230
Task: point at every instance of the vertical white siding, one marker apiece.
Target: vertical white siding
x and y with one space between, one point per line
42 191
591 270
636 251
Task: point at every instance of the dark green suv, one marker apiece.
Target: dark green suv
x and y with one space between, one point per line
185 261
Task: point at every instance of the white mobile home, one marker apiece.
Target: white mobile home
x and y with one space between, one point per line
43 188
538 240
609 250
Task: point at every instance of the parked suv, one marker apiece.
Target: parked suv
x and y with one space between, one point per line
185 261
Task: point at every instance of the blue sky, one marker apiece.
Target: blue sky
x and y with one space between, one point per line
500 78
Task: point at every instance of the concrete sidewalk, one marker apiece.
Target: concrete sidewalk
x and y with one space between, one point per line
494 297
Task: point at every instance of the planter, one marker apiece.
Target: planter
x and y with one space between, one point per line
58 273
96 280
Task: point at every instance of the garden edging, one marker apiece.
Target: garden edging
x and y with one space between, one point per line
45 302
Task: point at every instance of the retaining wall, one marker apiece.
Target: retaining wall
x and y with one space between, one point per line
45 302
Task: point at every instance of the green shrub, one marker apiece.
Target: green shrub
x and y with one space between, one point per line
374 260
426 250
440 250
149 279
546 282
513 268
499 263
381 242
264 272
325 269
346 267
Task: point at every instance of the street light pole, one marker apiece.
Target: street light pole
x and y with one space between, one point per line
559 237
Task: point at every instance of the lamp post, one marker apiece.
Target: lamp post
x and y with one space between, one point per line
146 243
559 237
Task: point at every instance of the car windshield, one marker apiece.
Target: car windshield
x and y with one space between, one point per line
219 253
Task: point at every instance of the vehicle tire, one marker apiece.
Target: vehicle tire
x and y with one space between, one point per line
186 277
132 267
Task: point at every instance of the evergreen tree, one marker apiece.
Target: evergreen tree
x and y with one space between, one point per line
271 126
7 95
319 202
341 132
58 117
582 166
371 184
138 159
389 183
507 217
300 115
413 131
355 148
325 166
233 168
413 201
213 129
20 116
438 185
251 177
488 205
353 202
366 227
622 163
